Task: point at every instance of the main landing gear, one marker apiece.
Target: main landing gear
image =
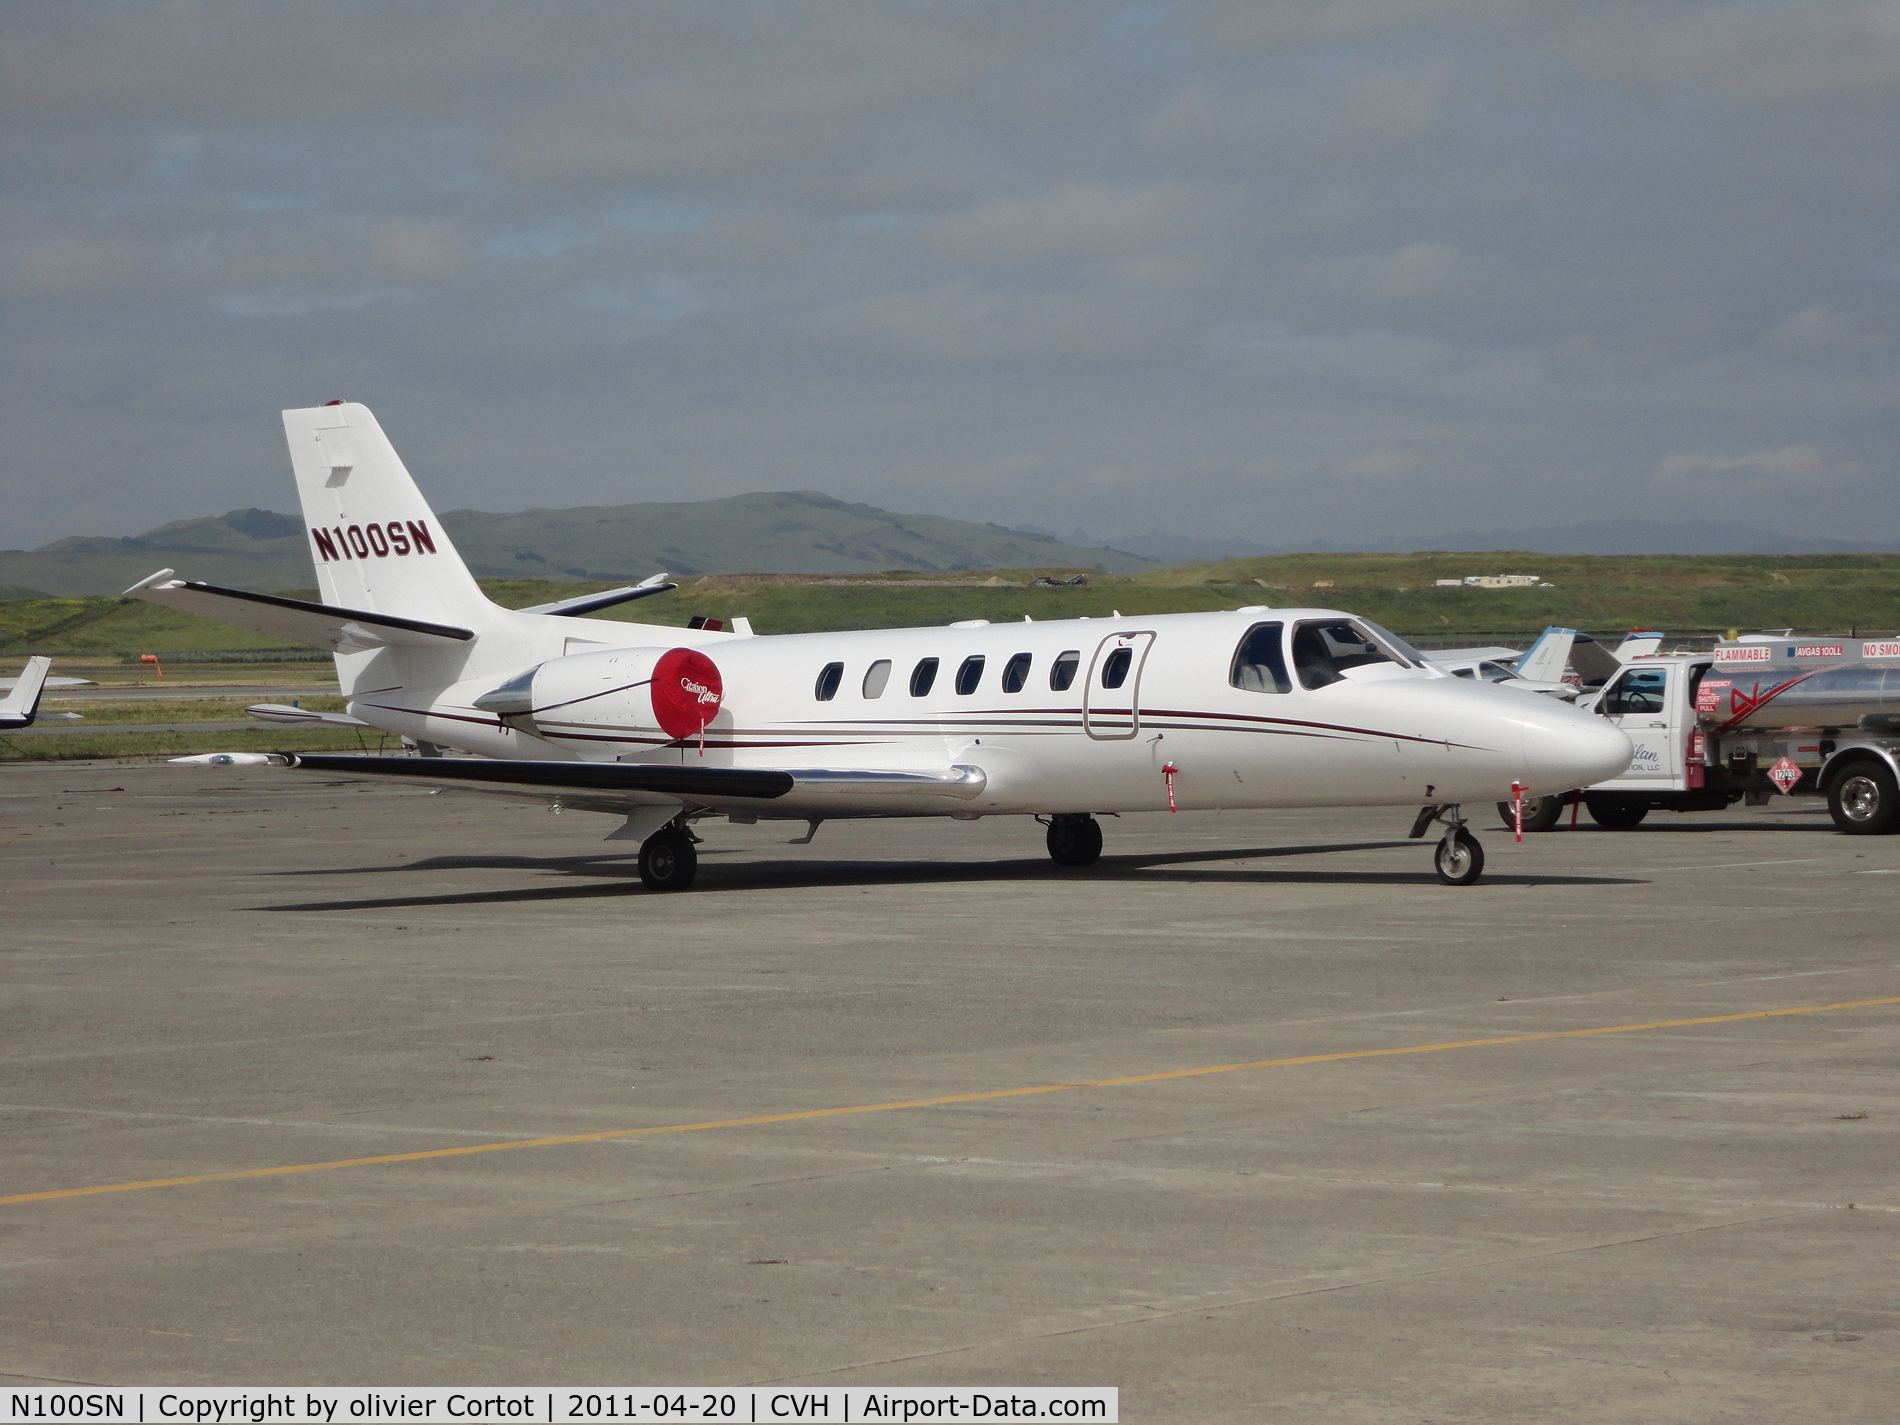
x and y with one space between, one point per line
1075 839
1458 858
667 859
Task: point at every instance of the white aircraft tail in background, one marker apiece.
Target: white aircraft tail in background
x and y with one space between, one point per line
665 726
21 705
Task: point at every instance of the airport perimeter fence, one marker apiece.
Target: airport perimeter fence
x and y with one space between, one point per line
236 655
1683 639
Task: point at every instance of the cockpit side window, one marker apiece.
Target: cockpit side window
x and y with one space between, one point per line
1259 666
1639 690
1323 649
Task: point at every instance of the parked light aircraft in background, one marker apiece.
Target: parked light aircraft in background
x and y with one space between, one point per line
1562 663
1538 669
664 727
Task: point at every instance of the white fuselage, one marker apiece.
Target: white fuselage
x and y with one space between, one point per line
1385 734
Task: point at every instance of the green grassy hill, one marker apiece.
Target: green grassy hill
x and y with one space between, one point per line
797 533
1828 593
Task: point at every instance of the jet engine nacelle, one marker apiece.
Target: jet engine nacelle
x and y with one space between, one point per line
677 690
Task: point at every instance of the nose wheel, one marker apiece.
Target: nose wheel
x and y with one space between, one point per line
1458 858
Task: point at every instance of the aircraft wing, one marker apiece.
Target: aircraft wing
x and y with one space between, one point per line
1471 655
622 786
21 705
7 684
344 630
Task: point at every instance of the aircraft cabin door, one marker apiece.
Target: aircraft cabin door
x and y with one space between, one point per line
1111 699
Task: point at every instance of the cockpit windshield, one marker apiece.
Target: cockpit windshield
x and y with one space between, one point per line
1324 649
1403 651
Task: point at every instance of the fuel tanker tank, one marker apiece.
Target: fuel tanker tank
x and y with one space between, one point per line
1734 698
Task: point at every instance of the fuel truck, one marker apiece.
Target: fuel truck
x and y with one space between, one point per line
1748 721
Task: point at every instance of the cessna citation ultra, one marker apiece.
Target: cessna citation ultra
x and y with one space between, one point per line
665 727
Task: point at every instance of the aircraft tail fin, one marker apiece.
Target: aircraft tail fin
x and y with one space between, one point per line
1637 642
22 702
1545 660
376 544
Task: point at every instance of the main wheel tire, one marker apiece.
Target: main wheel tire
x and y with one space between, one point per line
1074 840
1864 799
1613 813
1540 813
1460 861
668 861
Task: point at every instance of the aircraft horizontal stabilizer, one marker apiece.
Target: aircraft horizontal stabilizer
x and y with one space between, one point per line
283 716
606 599
344 630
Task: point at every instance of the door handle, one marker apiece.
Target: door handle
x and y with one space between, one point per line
1659 724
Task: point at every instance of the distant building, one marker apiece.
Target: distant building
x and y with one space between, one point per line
1493 581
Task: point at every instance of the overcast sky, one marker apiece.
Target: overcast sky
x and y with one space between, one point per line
1359 268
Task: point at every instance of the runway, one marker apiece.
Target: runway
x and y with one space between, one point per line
319 1083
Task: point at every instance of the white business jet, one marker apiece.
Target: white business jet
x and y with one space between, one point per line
666 727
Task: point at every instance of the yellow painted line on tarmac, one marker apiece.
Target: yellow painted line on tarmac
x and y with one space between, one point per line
566 1138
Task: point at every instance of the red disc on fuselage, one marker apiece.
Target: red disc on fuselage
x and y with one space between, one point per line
686 691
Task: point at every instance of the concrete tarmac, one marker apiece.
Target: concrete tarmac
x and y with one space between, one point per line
1449 1183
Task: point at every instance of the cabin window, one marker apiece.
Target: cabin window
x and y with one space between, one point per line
1115 670
970 674
1259 665
1463 673
828 679
1016 673
922 676
1323 649
876 677
1062 671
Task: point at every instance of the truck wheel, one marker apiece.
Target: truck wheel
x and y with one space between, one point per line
1864 800
1540 813
1459 861
667 860
1613 813
1074 840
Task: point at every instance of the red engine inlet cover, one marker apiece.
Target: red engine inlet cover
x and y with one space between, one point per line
686 691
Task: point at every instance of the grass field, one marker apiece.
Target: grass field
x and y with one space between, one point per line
1604 595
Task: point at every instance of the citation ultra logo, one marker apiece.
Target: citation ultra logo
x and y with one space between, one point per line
365 541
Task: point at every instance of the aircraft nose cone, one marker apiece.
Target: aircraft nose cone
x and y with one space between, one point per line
1576 750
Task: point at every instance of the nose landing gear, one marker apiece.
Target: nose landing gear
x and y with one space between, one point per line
1458 858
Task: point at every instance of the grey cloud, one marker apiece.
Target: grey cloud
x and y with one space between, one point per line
1291 270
